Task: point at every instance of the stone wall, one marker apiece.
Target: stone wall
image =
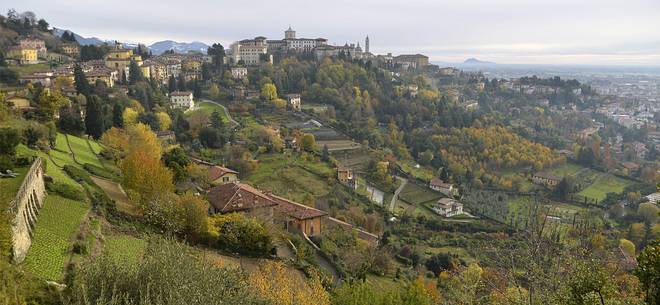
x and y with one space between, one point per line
25 208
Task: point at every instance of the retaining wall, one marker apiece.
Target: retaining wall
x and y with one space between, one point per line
25 210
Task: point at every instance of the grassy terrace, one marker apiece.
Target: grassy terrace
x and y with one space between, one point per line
604 184
209 108
123 247
82 151
29 69
291 177
59 220
52 169
568 169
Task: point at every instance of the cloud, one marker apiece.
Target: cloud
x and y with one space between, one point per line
594 31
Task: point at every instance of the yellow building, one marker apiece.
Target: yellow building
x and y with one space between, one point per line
22 55
120 59
106 75
71 49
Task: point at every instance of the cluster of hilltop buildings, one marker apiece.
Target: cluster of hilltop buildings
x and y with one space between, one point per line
115 67
260 49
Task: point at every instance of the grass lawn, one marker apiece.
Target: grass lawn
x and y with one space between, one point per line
604 184
288 177
59 220
52 170
383 283
82 151
417 195
96 147
122 247
423 173
60 142
567 169
208 108
461 252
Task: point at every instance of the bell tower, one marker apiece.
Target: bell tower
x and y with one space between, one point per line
366 44
289 34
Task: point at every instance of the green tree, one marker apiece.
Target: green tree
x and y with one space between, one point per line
82 86
171 84
94 123
648 271
268 92
216 120
135 74
649 212
238 234
217 53
117 115
308 142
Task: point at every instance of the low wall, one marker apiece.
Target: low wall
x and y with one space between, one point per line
25 209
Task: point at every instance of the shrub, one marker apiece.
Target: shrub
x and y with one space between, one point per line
168 273
6 163
98 171
79 247
238 234
66 190
78 174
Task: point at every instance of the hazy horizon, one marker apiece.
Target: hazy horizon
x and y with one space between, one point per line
560 32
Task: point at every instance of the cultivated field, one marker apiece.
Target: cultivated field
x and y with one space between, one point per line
59 220
338 145
604 184
291 177
415 194
122 247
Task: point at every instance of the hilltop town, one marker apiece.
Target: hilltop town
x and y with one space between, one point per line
294 171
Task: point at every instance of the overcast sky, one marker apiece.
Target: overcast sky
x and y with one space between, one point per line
608 32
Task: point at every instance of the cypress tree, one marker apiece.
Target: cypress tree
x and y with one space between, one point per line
94 118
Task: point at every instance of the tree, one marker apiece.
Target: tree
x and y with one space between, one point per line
70 120
117 115
129 117
216 120
135 74
649 212
308 142
564 188
210 137
171 84
82 86
238 234
94 118
9 140
274 282
648 271
177 160
217 53
167 272
325 155
268 92
164 120
627 246
214 92
43 25
442 262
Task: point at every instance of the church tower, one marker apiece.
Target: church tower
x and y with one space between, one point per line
366 44
289 34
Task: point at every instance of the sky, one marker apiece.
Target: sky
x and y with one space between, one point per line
573 32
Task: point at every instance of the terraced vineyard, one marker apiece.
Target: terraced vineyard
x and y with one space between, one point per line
124 247
58 222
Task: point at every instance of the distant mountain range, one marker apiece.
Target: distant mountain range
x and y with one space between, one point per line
156 48
474 61
178 47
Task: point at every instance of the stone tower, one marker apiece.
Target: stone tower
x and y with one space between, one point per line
289 34
366 44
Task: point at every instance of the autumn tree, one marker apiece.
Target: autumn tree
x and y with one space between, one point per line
275 283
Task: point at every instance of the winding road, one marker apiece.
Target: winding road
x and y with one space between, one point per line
404 181
231 120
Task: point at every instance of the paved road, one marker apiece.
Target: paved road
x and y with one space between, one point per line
404 181
231 120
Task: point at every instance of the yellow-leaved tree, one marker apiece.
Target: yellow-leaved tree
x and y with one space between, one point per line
273 282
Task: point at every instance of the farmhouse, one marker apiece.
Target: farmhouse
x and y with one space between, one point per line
182 99
234 197
294 101
448 207
437 184
241 198
345 176
220 175
297 217
547 179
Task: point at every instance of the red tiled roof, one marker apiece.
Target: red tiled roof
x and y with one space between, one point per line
236 197
216 172
296 210
439 183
